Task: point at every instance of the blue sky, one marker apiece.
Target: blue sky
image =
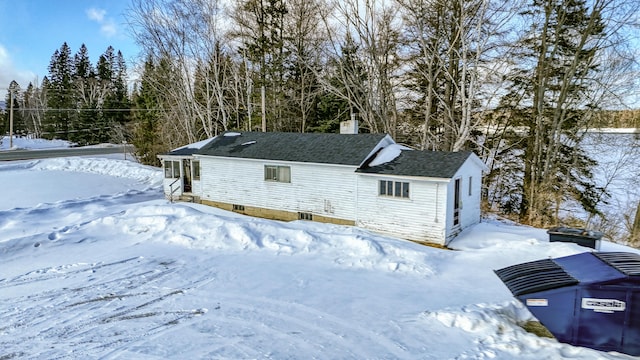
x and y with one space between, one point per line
32 30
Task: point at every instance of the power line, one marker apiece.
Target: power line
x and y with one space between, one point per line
85 110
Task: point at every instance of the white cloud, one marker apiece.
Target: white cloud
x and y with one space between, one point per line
3 55
96 14
108 27
8 72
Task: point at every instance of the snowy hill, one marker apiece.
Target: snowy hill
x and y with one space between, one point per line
96 264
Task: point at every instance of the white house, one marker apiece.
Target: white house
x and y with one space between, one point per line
366 180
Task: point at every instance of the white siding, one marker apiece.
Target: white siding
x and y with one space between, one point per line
327 190
338 191
168 182
167 190
421 217
470 207
196 187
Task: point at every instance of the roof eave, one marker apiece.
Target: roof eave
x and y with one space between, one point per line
415 177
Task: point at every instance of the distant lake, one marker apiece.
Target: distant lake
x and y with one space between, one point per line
618 170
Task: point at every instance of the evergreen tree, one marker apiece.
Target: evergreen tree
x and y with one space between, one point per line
14 98
105 72
344 96
262 34
60 95
330 110
87 98
119 101
111 74
548 97
304 40
147 128
82 64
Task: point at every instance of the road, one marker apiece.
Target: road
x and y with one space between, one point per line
50 153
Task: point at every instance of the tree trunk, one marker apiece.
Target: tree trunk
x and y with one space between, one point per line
635 229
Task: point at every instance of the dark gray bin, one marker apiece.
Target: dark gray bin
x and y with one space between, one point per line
582 237
590 299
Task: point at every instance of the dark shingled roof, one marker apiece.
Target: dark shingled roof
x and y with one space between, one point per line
437 164
322 148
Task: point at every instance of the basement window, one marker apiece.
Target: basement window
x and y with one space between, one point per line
305 216
238 207
393 188
277 173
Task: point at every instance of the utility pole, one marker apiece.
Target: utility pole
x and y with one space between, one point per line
11 119
264 110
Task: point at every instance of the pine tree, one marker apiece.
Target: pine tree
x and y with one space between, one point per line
105 73
262 27
147 128
14 98
120 98
303 41
87 97
549 99
344 96
60 95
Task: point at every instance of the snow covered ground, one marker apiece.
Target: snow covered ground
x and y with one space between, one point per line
95 263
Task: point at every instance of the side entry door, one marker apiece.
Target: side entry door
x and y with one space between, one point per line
456 203
186 171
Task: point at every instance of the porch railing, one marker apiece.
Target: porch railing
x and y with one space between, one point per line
172 190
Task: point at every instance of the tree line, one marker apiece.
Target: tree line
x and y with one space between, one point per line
517 82
76 101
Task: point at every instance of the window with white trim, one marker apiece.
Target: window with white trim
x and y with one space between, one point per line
277 173
196 169
393 188
171 169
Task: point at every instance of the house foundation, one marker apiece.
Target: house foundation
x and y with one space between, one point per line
273 214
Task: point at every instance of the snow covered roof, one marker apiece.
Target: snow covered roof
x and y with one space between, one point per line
387 154
436 164
191 148
320 148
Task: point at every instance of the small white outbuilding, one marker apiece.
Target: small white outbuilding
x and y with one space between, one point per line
366 180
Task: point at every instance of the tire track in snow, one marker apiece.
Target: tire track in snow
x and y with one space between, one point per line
57 272
73 317
314 329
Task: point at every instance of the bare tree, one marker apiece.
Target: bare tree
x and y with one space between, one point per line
304 40
456 50
186 33
259 28
33 108
370 29
635 228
